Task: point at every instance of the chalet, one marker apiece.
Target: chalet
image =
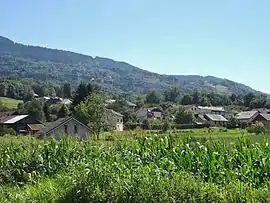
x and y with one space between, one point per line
247 116
66 127
20 123
216 120
264 118
150 113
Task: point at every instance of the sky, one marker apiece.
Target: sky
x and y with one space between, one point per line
223 38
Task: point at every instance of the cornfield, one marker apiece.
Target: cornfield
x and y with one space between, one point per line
150 169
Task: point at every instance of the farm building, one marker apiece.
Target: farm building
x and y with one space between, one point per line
66 127
264 118
247 116
19 123
216 120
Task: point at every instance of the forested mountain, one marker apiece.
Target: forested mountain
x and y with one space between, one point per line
58 66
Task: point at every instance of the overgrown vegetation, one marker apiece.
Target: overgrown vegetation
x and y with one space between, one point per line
150 169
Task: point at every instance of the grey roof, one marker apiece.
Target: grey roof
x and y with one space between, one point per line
143 111
110 101
61 121
212 108
13 119
201 117
51 125
131 104
116 113
214 117
261 110
246 114
266 116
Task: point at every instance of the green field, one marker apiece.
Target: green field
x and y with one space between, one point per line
181 166
9 103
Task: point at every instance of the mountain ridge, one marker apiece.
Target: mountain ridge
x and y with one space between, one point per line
58 66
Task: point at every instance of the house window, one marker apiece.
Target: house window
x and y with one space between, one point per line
66 129
75 129
117 120
121 120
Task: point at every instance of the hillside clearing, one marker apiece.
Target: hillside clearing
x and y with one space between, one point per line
10 103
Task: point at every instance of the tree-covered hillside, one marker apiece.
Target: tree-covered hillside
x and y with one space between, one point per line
58 66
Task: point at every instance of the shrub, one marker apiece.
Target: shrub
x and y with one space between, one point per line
243 124
10 131
257 128
232 123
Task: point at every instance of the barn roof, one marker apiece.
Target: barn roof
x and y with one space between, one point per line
13 119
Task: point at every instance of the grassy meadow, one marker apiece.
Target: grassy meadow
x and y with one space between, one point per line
9 103
137 166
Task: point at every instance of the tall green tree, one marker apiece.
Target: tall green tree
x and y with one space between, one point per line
2 90
152 98
196 98
67 90
171 95
248 99
46 110
204 101
33 108
92 112
63 111
184 116
82 92
233 97
186 100
258 102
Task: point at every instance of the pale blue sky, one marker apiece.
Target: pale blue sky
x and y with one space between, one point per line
223 38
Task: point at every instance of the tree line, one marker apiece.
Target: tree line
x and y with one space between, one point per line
24 89
249 100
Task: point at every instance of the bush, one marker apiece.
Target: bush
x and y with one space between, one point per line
243 124
232 123
7 131
10 131
257 128
155 124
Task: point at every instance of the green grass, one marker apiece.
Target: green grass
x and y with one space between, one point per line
9 103
184 166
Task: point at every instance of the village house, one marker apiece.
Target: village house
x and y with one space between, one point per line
247 116
217 110
19 123
264 118
262 110
116 120
68 126
216 120
150 113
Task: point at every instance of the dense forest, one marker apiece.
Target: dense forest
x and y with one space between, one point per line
58 67
25 89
